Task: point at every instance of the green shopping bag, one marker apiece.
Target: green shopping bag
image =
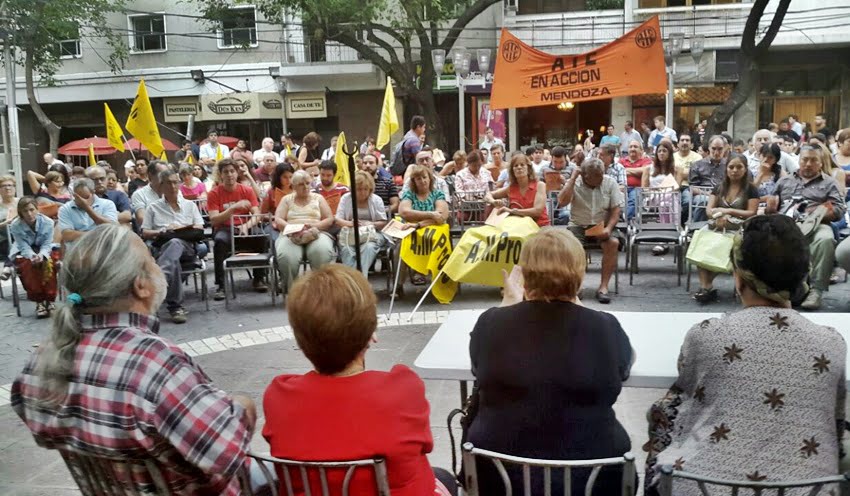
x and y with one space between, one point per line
711 251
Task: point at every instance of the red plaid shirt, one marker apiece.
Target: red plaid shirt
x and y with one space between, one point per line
133 395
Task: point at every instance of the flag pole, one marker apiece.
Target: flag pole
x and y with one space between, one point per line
395 286
353 190
128 148
433 282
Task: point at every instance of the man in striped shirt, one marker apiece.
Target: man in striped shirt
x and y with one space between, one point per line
104 384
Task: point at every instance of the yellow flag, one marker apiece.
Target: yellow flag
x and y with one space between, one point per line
288 151
163 156
426 251
142 124
219 155
389 119
190 158
113 130
341 160
92 159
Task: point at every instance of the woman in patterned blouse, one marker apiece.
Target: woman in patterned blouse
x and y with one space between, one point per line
760 393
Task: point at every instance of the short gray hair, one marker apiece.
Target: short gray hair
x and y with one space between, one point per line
186 168
592 165
164 175
610 149
94 168
101 270
83 182
299 177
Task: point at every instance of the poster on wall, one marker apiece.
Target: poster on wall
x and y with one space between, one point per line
494 119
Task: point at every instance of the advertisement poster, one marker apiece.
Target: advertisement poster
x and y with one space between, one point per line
494 119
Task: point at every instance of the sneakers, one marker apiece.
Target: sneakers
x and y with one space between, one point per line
219 294
6 274
260 286
179 315
41 311
813 300
706 295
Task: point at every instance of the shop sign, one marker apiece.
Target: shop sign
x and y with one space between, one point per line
179 109
241 106
306 106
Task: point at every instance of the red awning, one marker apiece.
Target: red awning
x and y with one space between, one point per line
228 141
81 147
133 144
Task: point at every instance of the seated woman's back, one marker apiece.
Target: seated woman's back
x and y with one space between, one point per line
323 418
548 375
760 394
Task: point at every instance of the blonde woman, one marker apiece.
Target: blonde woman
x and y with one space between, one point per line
370 212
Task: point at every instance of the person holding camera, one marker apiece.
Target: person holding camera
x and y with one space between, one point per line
801 195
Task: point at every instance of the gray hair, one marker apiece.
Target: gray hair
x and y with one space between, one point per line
592 165
101 270
717 137
83 182
186 168
95 168
610 149
299 177
164 175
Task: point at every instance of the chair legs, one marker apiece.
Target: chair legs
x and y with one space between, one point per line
16 297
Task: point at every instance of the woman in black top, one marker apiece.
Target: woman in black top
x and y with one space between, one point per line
309 155
548 371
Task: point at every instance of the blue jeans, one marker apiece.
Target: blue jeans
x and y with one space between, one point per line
562 216
700 214
686 204
368 253
632 200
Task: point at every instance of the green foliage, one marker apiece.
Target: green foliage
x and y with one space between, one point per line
604 4
38 26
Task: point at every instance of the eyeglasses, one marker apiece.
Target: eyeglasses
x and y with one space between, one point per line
7 186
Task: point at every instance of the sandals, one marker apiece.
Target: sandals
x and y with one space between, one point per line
41 311
706 295
603 298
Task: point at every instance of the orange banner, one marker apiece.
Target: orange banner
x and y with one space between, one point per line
630 65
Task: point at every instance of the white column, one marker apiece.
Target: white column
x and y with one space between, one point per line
513 134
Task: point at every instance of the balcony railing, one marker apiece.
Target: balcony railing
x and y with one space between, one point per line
715 22
320 51
576 31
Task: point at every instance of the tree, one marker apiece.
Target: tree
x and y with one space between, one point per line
38 27
750 58
395 35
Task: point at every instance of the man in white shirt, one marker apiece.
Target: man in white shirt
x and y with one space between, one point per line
537 162
330 151
660 132
144 197
268 147
629 135
763 137
213 151
490 139
168 223
794 121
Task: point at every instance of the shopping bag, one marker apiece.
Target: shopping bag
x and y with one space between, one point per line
711 251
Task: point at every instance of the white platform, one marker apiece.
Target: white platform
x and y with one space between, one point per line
656 337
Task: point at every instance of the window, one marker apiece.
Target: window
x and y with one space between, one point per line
147 33
651 4
239 28
69 49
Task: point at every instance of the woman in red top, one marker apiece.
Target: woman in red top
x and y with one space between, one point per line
524 196
341 411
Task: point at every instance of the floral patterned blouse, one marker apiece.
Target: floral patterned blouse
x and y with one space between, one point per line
760 397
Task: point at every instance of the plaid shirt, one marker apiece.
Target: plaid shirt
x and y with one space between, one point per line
132 395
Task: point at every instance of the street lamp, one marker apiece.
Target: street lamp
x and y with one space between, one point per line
674 48
461 59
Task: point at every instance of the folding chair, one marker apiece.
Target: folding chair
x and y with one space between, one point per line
101 476
470 453
198 268
815 486
469 209
658 216
262 258
692 225
311 472
388 264
201 203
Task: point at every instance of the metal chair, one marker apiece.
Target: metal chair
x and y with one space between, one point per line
665 487
469 208
658 217
310 472
99 476
261 259
201 203
692 226
470 453
198 268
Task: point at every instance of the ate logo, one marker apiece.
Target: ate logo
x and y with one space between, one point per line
511 51
646 38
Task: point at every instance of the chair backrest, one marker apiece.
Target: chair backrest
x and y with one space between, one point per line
697 206
97 476
470 453
469 208
310 472
665 487
254 234
658 209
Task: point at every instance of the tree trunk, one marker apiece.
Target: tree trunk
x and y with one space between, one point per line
719 119
48 125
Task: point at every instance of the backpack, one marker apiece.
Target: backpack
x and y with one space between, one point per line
397 165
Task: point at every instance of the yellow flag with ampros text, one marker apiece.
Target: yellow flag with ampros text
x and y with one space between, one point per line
389 118
426 251
341 160
114 132
483 252
142 124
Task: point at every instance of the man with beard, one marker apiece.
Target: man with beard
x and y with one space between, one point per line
385 188
135 394
331 190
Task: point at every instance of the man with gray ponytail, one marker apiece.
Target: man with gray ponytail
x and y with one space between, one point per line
105 384
86 212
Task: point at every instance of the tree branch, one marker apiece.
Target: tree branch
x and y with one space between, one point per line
773 29
469 14
416 22
365 50
391 53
